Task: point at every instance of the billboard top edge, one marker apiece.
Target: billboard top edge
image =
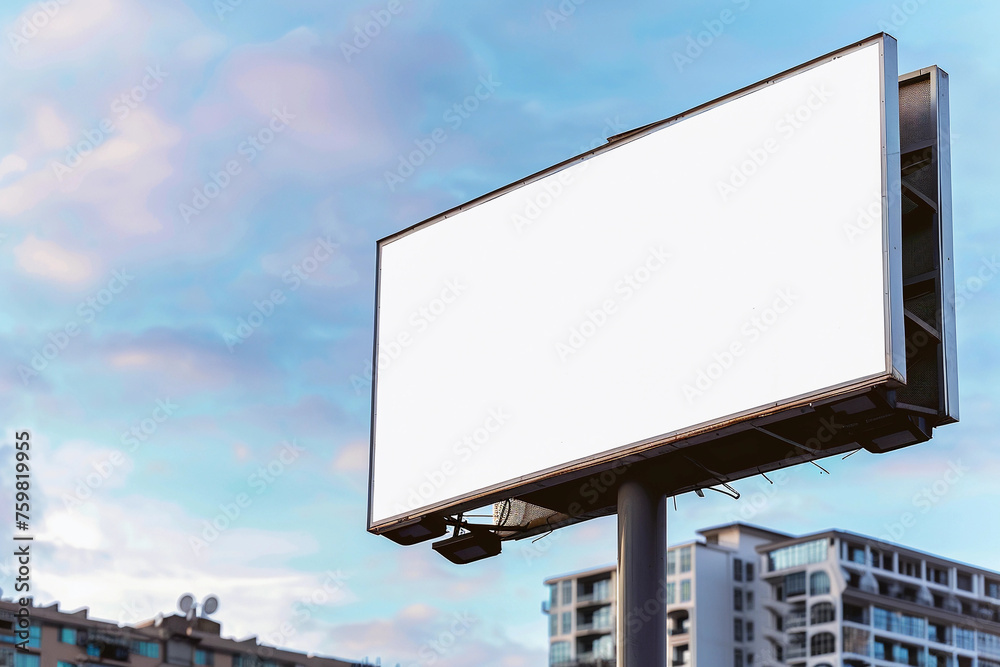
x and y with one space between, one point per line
617 140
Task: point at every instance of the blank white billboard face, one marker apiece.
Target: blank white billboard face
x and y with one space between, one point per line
728 262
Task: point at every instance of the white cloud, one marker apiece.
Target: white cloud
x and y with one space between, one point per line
12 164
53 262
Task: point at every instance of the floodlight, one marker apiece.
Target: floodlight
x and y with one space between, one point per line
469 547
417 530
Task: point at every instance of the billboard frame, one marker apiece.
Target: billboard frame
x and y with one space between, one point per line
894 373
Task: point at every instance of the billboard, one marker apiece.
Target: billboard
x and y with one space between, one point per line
730 263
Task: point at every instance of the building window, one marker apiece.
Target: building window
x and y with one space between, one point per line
822 612
738 657
738 629
671 592
559 653
553 625
553 595
749 578
822 644
35 636
856 553
686 590
567 622
672 562
686 559
738 599
737 569
67 635
202 657
567 593
993 588
60 663
805 553
965 638
146 649
749 631
25 659
795 584
989 643
937 575
819 583
749 601
910 568
964 581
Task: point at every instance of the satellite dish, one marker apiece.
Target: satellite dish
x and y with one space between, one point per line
210 604
185 602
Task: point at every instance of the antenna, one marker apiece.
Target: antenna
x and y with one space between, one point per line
209 605
190 608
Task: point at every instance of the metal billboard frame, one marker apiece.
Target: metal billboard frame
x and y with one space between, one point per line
893 376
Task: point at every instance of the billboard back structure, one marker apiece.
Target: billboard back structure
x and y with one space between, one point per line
719 294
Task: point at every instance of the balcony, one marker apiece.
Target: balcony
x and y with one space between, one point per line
597 626
796 620
793 652
596 596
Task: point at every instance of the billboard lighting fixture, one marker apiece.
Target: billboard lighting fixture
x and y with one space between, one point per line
469 547
418 530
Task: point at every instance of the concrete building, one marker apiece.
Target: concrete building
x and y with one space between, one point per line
751 597
73 639
582 612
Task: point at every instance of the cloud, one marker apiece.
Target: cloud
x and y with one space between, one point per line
352 457
50 261
12 164
421 634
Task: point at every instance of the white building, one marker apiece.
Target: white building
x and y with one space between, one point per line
748 596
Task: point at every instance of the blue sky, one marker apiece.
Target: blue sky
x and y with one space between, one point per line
196 278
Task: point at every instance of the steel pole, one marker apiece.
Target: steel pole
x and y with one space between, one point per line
642 570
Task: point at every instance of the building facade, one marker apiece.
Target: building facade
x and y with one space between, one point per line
63 639
582 609
751 597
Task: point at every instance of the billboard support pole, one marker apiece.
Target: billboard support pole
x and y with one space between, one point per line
642 554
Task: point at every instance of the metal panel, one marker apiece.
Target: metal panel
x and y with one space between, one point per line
621 391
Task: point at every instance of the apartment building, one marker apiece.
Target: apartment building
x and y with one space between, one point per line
74 639
582 610
752 597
